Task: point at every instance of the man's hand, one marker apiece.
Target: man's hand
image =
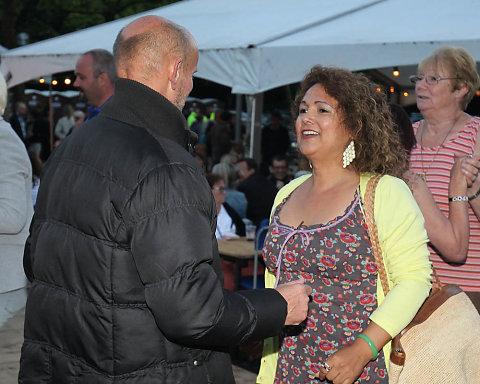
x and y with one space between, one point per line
296 293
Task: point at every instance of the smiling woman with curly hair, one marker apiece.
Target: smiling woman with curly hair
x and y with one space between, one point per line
318 231
365 115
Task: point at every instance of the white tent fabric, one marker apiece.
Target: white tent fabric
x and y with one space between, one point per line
391 33
224 31
253 46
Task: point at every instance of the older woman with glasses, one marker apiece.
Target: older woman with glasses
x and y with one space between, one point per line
229 222
445 84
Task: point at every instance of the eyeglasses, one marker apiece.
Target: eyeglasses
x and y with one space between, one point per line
221 189
430 80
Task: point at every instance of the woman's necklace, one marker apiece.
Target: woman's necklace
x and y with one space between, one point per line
423 175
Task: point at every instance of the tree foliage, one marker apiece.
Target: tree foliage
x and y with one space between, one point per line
43 19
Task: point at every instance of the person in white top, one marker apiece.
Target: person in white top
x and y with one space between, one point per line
65 123
229 222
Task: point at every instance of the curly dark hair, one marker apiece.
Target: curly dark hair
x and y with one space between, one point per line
366 116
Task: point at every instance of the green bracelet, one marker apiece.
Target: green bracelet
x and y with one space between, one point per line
370 344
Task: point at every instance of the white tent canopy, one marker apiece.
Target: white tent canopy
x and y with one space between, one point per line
253 46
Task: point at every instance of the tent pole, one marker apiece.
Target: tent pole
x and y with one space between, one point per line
238 116
256 126
50 113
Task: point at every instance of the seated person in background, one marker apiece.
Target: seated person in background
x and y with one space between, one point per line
448 235
229 222
259 191
279 171
229 225
65 123
79 118
234 198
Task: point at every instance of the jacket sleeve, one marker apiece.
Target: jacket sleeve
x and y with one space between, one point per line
403 240
13 172
174 246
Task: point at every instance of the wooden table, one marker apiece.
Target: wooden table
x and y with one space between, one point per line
239 251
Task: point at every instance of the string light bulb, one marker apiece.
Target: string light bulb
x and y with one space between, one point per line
396 72
392 89
68 81
54 82
41 80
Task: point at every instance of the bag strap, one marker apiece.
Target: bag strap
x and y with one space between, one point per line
372 229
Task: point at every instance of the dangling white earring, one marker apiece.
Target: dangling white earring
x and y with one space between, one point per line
310 163
349 154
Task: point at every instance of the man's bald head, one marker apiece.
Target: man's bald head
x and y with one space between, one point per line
148 42
159 54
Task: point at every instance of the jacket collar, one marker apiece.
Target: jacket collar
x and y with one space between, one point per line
136 104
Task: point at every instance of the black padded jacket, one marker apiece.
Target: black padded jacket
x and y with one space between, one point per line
126 284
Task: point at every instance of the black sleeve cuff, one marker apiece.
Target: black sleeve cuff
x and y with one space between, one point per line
270 310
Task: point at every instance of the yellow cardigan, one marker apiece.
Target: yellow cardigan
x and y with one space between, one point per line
403 240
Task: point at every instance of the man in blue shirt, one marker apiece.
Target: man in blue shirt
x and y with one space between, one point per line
95 75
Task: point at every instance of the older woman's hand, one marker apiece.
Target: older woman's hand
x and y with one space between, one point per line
470 168
458 177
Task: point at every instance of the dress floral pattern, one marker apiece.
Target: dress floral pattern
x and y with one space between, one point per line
337 261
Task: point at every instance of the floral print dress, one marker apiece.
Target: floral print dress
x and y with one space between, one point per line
336 260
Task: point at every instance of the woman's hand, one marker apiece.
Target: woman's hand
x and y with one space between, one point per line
460 177
347 364
470 168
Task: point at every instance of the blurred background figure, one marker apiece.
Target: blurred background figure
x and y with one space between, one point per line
279 171
236 199
65 123
41 132
229 225
78 118
229 222
275 140
16 210
303 166
37 168
95 76
18 121
446 82
260 192
219 136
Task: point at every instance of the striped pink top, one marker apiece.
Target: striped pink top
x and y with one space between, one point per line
437 167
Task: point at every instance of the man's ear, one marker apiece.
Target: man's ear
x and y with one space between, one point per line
175 72
103 79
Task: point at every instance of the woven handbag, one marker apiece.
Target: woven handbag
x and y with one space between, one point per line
442 343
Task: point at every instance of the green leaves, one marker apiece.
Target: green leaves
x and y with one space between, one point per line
43 19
